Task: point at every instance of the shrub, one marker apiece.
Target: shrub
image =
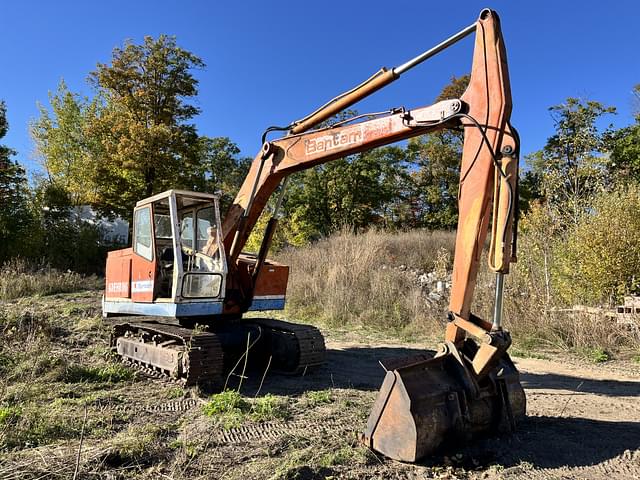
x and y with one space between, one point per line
600 260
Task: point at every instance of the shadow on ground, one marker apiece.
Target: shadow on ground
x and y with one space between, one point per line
359 368
610 388
542 441
556 442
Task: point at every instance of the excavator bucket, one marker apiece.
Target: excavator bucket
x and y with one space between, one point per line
424 404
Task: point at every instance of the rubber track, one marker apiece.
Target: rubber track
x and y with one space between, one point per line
310 341
205 355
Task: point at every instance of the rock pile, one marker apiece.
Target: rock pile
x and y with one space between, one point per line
434 287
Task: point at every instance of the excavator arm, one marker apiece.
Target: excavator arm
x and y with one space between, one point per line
471 384
488 168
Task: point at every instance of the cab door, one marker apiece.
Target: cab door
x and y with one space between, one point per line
143 265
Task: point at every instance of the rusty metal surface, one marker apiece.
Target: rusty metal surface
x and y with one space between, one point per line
489 98
424 405
167 358
201 353
381 79
197 357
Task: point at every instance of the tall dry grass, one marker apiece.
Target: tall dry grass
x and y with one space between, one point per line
346 279
349 279
20 278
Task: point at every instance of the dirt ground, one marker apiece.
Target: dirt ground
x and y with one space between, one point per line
583 421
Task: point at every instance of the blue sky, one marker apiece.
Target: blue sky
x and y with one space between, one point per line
271 62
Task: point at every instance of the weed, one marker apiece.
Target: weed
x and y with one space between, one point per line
351 278
110 373
176 392
132 444
319 397
9 415
595 355
228 407
19 278
33 425
340 456
636 358
270 407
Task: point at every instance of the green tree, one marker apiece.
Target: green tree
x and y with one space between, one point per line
144 132
15 214
357 191
437 159
624 145
600 259
134 138
217 167
572 167
69 155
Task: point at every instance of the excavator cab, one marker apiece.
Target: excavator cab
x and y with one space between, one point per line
176 265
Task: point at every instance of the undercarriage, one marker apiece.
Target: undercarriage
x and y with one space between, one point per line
206 356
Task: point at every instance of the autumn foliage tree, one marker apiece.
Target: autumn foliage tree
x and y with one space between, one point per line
144 132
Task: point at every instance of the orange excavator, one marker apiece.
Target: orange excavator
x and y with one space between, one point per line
186 267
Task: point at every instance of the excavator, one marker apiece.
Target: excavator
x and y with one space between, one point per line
182 291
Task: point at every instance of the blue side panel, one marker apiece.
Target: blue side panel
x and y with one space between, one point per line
267 304
198 309
163 309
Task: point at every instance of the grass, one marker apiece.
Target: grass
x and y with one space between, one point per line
107 373
269 407
19 278
318 397
231 410
596 355
350 279
353 281
9 415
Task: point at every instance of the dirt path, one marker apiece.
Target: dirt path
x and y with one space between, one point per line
583 423
583 420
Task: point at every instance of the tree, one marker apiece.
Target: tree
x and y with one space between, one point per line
217 167
144 138
572 166
133 139
437 158
356 191
69 156
624 145
600 259
15 214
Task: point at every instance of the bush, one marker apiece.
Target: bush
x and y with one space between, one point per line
600 260
341 281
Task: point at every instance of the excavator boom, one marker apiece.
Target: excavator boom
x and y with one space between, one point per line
470 385
185 264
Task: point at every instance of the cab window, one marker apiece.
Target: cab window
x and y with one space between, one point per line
186 230
142 233
206 223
